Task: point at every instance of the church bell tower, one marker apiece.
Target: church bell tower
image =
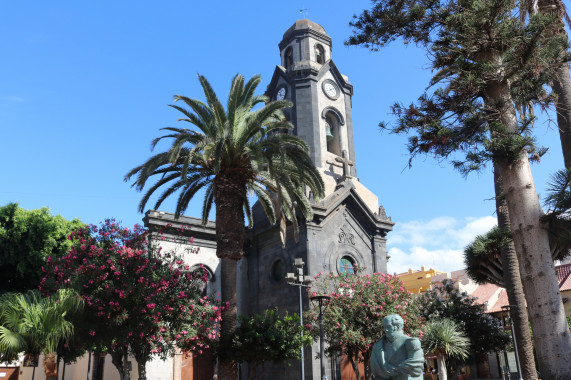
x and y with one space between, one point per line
321 96
348 230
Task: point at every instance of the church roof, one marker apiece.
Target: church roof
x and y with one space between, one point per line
302 28
305 24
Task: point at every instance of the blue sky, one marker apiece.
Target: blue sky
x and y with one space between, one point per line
84 88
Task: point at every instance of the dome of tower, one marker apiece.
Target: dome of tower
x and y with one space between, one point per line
305 24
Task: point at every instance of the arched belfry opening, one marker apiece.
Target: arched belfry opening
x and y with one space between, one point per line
288 57
332 134
319 54
333 124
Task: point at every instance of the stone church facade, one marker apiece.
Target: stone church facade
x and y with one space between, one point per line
348 228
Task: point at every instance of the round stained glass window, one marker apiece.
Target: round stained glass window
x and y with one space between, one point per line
346 265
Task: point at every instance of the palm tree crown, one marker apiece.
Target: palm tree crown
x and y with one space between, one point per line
31 323
230 153
445 337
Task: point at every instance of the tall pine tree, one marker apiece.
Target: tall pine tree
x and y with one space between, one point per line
482 52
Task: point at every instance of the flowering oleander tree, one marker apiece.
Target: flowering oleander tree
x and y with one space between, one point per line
140 300
353 318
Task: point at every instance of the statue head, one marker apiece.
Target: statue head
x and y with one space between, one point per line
392 326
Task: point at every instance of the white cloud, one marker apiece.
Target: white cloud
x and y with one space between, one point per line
438 243
12 98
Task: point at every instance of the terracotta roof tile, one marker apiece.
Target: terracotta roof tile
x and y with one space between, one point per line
484 292
565 285
563 273
502 301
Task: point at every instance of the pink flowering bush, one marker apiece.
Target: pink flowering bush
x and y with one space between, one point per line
138 300
353 317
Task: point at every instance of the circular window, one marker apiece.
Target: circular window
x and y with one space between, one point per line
278 270
346 265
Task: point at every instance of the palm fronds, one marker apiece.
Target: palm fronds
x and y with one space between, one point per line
444 337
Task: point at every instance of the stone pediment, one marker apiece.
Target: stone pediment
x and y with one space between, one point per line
279 72
341 79
346 194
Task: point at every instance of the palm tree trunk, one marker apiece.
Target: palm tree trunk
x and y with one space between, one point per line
228 370
229 196
531 241
50 367
514 288
441 360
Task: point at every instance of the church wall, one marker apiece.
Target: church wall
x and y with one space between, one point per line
307 116
339 105
267 293
349 128
339 235
322 243
194 255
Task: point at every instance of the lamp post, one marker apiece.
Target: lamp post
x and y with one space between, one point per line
507 309
298 279
319 301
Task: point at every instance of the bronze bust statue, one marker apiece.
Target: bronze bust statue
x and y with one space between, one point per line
396 356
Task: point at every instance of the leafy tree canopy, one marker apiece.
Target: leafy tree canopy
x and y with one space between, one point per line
484 331
27 239
263 338
475 47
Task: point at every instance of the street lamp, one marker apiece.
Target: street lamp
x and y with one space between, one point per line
298 279
507 309
319 301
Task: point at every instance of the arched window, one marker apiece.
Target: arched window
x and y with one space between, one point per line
319 54
277 272
206 273
289 57
332 134
347 265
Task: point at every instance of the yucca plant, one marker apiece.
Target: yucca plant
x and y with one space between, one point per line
444 339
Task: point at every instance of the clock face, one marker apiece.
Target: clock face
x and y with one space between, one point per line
330 89
281 94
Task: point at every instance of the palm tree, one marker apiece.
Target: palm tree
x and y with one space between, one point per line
231 153
32 323
444 339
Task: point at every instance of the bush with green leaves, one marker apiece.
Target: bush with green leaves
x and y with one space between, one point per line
262 338
447 302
